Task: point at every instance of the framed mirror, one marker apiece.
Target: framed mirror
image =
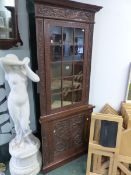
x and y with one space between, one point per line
9 34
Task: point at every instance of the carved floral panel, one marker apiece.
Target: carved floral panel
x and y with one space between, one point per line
68 133
63 13
61 136
77 125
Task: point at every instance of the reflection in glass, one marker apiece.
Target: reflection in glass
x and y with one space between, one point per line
56 53
56 101
67 84
77 82
77 96
79 44
68 43
56 85
78 67
56 35
7 19
56 70
67 69
67 98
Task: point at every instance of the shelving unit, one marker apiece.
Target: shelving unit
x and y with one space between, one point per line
64 45
4 32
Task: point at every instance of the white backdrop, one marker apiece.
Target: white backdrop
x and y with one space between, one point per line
111 52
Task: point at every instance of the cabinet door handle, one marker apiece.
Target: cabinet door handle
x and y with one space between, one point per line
54 131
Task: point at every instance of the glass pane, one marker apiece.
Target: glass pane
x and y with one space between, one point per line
56 35
67 69
67 98
77 96
56 86
56 70
56 101
77 82
67 43
56 53
78 67
67 84
108 140
79 44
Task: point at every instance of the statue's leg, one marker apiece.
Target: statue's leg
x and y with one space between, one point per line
14 112
24 119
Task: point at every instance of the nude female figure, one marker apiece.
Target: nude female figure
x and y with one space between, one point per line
17 73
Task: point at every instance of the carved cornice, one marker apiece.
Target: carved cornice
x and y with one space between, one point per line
47 11
71 4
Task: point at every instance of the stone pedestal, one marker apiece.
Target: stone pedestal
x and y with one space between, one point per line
26 158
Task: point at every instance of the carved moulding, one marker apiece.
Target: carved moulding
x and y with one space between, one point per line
40 56
62 136
47 11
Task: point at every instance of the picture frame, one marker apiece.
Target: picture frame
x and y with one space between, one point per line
128 92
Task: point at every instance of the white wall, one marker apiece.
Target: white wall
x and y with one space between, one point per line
21 52
111 52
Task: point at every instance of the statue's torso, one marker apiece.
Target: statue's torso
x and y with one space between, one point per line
18 87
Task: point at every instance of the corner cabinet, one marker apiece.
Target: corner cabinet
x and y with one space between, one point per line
64 31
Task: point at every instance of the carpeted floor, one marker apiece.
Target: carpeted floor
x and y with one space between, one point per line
76 167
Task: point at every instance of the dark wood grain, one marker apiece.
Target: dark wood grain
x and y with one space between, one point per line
67 136
70 4
41 63
66 113
64 131
47 11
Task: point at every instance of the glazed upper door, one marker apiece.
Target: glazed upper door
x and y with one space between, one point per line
66 62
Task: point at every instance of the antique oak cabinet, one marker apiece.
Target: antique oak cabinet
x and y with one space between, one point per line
64 31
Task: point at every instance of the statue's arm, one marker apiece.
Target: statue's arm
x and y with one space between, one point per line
11 62
31 75
6 63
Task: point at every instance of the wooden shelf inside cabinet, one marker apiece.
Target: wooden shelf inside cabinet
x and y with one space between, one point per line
5 29
64 32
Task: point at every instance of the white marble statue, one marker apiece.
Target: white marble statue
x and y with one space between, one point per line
24 148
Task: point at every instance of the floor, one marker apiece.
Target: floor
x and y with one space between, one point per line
76 167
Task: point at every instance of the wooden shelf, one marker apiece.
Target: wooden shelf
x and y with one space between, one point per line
6 29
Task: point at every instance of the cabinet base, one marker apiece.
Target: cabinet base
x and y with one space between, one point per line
62 162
